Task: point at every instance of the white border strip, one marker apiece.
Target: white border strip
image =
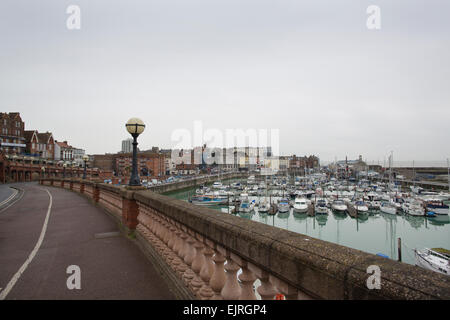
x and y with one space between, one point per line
22 269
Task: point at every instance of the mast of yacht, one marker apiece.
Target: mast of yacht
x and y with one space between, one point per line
448 175
390 171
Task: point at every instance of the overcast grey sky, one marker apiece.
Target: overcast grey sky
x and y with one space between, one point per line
309 68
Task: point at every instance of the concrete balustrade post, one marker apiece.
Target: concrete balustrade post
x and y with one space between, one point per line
173 237
218 277
206 292
231 290
178 241
183 245
156 225
161 229
190 251
266 290
167 232
247 279
199 259
208 266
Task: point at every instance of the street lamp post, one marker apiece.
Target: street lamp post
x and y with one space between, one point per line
64 170
135 127
85 159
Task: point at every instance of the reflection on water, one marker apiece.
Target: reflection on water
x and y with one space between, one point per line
375 232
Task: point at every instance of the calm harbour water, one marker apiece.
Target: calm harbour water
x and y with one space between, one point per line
376 233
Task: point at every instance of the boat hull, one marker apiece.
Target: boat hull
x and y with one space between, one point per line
388 210
300 209
438 210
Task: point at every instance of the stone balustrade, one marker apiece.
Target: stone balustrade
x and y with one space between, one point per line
212 255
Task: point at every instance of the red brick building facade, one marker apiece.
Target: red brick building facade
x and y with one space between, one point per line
12 140
151 164
40 144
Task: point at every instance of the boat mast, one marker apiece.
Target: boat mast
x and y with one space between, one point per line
390 171
448 175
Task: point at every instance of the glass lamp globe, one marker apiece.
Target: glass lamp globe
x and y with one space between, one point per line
135 126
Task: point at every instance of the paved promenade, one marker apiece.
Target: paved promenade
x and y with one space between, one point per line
49 229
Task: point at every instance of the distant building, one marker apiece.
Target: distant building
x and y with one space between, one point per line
40 145
149 164
65 152
78 156
127 146
104 161
12 140
299 164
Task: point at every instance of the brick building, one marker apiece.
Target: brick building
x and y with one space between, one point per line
299 164
104 161
149 164
39 145
12 140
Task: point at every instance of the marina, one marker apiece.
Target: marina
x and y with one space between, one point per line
368 215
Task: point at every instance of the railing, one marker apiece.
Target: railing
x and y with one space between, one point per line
220 256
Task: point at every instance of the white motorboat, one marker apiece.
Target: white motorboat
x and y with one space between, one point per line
388 207
283 205
217 185
245 205
360 206
207 200
414 208
339 206
300 205
263 206
437 206
320 206
432 260
374 205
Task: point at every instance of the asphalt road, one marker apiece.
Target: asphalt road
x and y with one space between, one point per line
110 267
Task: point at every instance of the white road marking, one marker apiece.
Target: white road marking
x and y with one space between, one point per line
14 202
22 269
10 197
